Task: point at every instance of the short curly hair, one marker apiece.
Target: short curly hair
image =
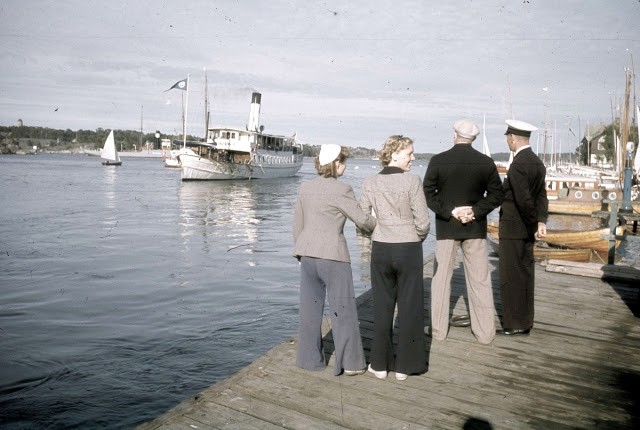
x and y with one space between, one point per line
393 144
330 170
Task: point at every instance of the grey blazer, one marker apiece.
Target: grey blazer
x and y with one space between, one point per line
399 204
322 208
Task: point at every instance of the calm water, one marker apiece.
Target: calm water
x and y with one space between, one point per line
123 290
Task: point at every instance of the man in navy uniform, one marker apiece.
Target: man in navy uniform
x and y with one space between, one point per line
523 217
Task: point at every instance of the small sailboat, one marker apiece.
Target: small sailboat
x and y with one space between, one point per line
109 153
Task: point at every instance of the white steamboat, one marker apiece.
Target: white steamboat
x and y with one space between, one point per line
242 153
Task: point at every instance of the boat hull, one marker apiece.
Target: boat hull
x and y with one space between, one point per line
562 207
588 239
541 253
111 163
197 168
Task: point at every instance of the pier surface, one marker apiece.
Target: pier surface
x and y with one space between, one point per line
578 369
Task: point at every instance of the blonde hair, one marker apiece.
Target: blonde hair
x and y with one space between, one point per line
393 144
331 170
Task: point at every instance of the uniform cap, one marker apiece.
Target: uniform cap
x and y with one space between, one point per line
519 128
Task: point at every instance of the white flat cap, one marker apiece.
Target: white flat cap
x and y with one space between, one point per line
466 128
328 153
519 128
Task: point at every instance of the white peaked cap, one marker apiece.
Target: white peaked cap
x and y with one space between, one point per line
520 128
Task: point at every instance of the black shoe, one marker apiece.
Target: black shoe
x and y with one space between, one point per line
514 331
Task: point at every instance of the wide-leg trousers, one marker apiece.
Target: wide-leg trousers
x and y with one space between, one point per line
320 278
517 271
396 278
479 290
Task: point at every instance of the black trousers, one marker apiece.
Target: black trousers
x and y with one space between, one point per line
517 271
396 278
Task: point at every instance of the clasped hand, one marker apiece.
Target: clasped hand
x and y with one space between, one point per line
464 214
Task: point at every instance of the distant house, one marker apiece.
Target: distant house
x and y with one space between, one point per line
597 151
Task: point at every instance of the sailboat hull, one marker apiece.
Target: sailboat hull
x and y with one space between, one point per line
111 163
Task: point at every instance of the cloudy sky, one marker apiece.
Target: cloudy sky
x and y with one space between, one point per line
346 72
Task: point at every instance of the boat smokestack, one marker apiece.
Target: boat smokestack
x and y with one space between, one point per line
254 113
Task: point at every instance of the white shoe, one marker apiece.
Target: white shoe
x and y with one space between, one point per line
380 374
401 376
354 372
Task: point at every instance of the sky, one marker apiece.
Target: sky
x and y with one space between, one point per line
350 73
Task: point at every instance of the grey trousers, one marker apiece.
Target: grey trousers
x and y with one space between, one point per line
319 277
479 290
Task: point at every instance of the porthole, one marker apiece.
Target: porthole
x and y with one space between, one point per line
613 195
595 195
578 194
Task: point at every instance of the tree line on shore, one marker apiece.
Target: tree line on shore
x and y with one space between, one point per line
22 139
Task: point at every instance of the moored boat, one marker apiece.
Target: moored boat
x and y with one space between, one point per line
542 251
242 153
585 201
596 239
558 186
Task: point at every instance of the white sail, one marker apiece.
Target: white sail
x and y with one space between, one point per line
109 151
485 144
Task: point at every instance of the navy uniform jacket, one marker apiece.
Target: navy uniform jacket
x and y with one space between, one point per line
525 200
462 176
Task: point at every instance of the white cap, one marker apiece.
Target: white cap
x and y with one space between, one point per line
466 128
520 128
328 153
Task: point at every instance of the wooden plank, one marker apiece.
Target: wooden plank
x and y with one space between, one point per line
594 272
579 368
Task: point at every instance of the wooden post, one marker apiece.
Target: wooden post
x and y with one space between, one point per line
613 223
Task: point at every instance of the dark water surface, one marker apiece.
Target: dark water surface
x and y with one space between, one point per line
124 290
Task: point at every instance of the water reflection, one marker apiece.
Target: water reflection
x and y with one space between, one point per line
109 179
363 263
221 212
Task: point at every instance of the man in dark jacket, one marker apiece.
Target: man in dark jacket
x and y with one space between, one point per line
462 187
523 218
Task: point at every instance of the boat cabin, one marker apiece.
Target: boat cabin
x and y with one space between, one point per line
234 139
559 186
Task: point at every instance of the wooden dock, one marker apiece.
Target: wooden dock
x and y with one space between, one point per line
578 369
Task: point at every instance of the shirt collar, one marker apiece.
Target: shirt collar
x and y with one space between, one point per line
521 148
388 170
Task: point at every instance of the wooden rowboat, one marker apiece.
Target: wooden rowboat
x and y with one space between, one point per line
542 252
589 239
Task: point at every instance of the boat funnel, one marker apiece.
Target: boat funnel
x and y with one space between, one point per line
254 113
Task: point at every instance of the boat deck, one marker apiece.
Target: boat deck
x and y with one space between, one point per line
579 368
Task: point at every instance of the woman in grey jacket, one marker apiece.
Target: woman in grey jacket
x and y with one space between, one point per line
322 208
398 201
